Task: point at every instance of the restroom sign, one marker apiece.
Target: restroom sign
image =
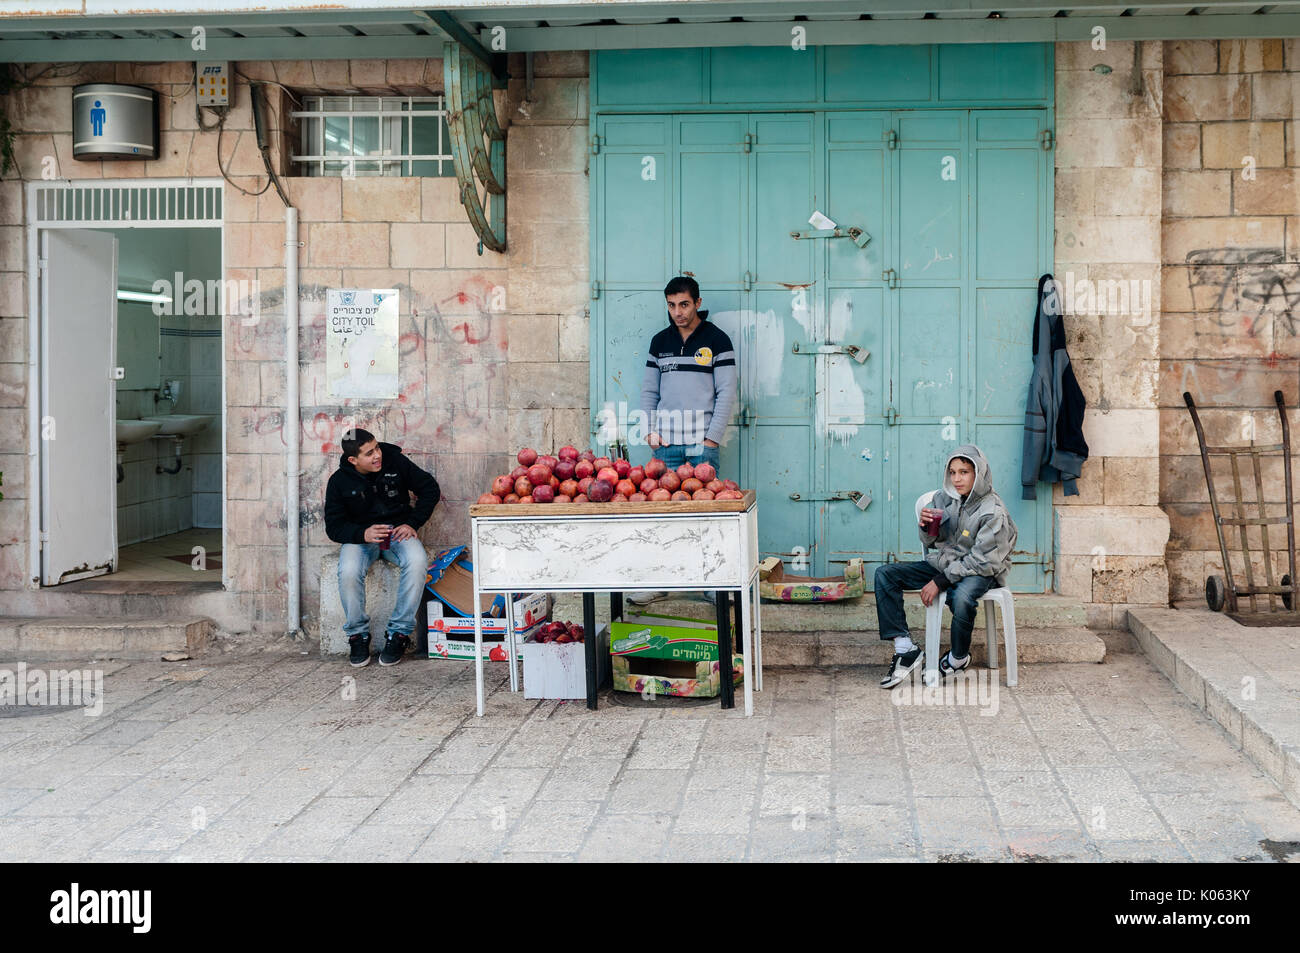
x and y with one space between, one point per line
361 342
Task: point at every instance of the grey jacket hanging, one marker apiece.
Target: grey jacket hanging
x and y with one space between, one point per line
1054 445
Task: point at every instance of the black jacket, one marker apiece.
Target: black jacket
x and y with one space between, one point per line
1054 448
354 501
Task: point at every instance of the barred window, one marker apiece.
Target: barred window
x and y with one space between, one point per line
374 135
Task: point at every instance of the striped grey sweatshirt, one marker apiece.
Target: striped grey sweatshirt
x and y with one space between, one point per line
689 390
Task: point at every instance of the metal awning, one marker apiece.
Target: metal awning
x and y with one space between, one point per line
111 30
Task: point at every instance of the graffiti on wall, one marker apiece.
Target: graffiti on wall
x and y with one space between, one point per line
1242 288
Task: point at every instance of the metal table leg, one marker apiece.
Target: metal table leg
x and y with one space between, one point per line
615 606
727 689
590 640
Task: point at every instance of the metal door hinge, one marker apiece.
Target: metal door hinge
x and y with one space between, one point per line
41 264
1047 139
595 290
891 416
747 281
595 144
749 141
891 139
890 277
745 418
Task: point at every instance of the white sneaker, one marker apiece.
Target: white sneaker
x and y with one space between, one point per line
644 598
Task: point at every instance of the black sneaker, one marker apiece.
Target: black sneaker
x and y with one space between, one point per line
394 649
946 667
902 666
360 645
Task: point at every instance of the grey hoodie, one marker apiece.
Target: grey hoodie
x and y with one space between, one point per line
977 534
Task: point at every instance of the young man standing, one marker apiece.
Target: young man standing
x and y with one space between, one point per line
368 509
689 389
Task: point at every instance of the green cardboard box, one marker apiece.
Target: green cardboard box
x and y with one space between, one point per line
668 655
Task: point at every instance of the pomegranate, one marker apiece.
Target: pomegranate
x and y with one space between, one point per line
538 474
564 469
626 487
637 497
544 494
686 472
655 468
510 498
563 498
517 472
637 475
583 468
704 472
584 483
553 482
731 484
619 498
670 481
660 495
581 498
526 499
601 462
648 485
502 485
600 491
623 468
681 495
698 494
587 455
568 453
713 486
608 474
569 488
527 457
489 498
691 485
547 460
523 486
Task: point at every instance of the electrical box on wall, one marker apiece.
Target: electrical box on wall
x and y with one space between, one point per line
212 83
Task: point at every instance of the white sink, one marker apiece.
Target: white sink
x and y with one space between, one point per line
133 431
180 425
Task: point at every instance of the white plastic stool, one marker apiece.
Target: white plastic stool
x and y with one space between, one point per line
1000 597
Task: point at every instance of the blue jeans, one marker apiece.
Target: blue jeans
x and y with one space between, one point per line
676 455
354 562
963 598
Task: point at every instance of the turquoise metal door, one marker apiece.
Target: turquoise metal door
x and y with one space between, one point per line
864 359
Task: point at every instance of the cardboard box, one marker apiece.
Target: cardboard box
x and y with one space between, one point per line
554 670
668 655
660 676
452 636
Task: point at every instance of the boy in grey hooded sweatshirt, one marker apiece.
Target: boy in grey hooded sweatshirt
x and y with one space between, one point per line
970 554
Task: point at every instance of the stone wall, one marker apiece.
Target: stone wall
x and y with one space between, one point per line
1110 539
493 347
1231 227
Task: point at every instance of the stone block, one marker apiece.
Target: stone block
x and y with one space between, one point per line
1127 192
440 200
244 476
1131 580
1097 143
418 245
1122 433
1271 192
531 428
1186 574
317 198
11 208
546 197
535 386
13 300
1225 144
456 294
1100 616
1118 55
1128 383
255 245
1243 382
553 98
1183 236
572 426
1274 95
346 244
550 290
462 249
1074 577
1249 56
574 331
1182 145
1112 238
381 199
1201 98
533 337
1191 56
1118 530
1075 193
551 148
1131 481
381 596
1199 193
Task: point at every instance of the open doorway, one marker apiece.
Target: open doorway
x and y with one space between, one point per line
130 299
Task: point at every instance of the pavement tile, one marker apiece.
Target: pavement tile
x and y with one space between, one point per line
626 837
641 791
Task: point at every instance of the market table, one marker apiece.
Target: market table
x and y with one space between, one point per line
685 546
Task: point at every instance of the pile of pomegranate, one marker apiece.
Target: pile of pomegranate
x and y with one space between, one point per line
561 632
573 477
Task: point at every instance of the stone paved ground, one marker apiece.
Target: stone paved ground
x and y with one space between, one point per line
258 756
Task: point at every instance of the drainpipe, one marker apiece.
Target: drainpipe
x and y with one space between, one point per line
292 416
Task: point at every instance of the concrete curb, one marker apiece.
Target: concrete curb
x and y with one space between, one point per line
1247 679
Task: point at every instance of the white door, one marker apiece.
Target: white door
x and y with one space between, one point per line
78 285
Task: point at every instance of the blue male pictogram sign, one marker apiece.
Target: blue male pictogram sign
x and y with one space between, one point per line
97 116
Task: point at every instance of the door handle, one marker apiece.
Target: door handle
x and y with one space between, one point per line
890 277
860 499
859 354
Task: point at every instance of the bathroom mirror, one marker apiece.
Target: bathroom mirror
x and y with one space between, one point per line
139 346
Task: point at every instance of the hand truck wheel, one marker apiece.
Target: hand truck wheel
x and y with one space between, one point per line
1286 596
1216 593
